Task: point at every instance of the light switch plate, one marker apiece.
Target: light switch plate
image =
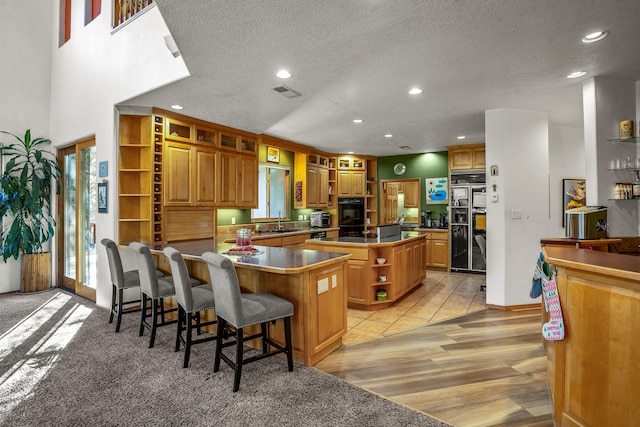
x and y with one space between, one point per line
516 213
323 285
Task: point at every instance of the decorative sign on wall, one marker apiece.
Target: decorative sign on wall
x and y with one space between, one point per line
437 190
103 197
273 154
103 169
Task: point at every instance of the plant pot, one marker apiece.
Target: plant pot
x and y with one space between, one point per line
35 272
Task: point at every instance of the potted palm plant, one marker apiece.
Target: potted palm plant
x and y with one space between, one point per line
25 207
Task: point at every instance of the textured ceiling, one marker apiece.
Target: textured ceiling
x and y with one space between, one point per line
358 58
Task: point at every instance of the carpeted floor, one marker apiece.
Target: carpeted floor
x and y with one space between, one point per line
62 364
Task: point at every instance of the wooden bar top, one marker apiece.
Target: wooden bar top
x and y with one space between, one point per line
269 259
596 244
616 265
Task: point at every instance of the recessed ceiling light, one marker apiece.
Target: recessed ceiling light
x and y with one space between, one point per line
283 74
388 135
177 107
461 137
415 91
594 37
349 152
358 120
576 74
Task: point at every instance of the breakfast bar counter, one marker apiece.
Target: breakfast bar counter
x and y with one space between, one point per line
594 376
315 282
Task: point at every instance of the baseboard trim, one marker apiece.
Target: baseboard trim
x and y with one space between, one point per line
514 307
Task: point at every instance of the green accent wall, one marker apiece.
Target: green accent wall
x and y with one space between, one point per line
423 166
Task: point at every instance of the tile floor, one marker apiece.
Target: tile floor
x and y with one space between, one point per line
441 296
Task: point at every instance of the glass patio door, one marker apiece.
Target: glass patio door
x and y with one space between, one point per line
77 207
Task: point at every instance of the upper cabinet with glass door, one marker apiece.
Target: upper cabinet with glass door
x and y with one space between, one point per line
240 143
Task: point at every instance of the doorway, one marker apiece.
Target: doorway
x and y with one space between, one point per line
77 210
400 198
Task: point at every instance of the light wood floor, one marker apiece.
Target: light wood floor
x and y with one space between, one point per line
485 368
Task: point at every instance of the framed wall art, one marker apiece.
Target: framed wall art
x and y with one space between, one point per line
273 154
103 197
437 190
574 195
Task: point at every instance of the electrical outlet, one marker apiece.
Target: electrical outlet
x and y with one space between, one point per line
233 220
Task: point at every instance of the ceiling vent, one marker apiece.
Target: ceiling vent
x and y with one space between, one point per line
286 91
405 147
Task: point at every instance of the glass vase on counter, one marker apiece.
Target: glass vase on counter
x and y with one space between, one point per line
243 238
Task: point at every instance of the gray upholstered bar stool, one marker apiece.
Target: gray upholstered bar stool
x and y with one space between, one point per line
154 289
121 280
242 310
192 301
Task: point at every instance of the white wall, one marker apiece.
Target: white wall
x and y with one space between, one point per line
517 142
68 93
606 103
90 74
566 160
25 33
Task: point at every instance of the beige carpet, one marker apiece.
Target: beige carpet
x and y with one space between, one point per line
62 364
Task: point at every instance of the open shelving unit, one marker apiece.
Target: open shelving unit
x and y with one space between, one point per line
371 197
378 270
135 179
332 204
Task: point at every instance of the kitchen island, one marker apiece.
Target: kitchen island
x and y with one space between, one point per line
313 281
594 376
380 271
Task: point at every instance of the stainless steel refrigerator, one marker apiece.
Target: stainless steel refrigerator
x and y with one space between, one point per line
467 225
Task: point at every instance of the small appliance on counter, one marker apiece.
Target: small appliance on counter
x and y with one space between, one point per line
443 221
425 219
320 219
390 230
588 222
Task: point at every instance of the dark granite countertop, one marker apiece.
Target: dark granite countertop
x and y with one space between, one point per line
403 236
271 259
292 232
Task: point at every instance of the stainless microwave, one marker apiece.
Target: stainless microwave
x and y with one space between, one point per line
320 219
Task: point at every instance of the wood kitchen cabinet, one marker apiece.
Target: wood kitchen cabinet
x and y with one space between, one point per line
189 175
178 177
351 183
313 171
412 194
205 177
437 249
352 176
403 269
229 170
462 157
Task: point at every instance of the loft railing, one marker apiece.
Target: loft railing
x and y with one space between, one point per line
126 10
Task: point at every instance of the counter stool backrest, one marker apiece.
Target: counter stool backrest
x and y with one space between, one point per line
226 289
146 269
115 263
181 278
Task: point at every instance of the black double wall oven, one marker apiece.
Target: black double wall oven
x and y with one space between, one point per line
351 216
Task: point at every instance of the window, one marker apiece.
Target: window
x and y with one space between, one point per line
65 21
92 9
273 192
